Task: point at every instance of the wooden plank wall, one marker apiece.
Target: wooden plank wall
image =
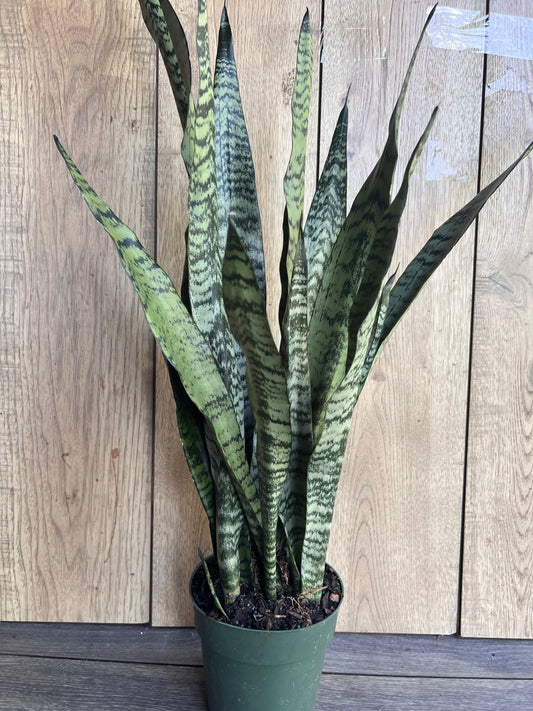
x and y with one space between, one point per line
98 518
498 566
76 358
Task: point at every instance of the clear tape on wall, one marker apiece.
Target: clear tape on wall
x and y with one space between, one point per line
504 35
494 34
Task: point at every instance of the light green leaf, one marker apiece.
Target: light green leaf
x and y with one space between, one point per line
181 342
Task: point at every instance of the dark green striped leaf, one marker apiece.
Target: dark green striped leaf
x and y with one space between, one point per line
346 263
191 429
293 505
267 388
328 208
167 32
229 521
236 191
325 464
380 256
204 252
294 180
235 170
436 249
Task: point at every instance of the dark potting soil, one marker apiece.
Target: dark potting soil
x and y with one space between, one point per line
252 610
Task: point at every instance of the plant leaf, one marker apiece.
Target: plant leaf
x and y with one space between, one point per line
211 586
294 180
236 189
345 266
293 503
191 429
436 249
267 389
325 464
204 251
181 342
328 208
167 32
229 521
380 256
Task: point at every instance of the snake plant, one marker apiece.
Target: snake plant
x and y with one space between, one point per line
264 427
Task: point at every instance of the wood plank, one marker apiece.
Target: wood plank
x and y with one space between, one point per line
363 654
498 559
75 358
396 533
93 686
63 685
397 694
119 643
265 37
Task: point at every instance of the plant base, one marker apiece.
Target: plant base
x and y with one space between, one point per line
262 670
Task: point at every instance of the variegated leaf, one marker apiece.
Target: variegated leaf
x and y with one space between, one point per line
204 252
345 266
229 521
294 180
380 256
293 504
191 429
436 249
328 208
267 388
167 32
325 464
236 189
181 342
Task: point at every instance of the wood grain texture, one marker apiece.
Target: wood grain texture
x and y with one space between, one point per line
362 654
76 370
265 38
498 562
397 526
33 684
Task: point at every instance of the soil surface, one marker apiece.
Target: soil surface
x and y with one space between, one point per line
253 611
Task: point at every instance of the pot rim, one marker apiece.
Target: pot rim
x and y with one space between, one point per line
327 620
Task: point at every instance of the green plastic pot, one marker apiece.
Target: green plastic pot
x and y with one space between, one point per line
259 670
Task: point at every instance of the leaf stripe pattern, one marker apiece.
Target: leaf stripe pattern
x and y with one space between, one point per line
267 388
229 522
325 464
294 180
236 189
436 249
293 506
344 269
328 208
380 256
167 32
181 342
190 425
